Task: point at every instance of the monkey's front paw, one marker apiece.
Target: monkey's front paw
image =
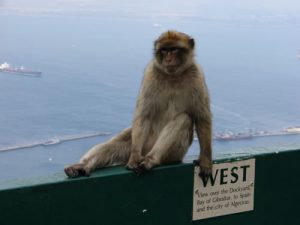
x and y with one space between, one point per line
147 164
205 168
76 170
141 166
205 171
133 162
132 165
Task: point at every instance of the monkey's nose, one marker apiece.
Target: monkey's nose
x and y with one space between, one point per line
169 58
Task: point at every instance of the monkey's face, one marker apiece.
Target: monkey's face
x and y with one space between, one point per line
173 51
172 57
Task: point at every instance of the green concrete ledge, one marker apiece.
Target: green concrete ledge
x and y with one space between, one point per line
163 196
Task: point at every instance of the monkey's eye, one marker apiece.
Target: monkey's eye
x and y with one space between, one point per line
163 51
173 50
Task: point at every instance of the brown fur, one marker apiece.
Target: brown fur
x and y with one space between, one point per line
170 104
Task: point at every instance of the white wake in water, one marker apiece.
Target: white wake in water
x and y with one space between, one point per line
229 112
55 140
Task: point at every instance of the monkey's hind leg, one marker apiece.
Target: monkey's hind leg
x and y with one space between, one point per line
172 143
116 151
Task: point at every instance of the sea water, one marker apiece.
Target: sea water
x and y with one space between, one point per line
92 67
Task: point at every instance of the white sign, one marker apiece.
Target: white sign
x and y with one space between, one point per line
228 190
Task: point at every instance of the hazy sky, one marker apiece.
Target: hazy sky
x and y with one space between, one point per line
205 8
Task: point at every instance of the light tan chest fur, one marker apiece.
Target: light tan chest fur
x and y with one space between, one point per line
163 97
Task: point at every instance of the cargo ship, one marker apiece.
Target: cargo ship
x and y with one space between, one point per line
293 130
6 68
228 136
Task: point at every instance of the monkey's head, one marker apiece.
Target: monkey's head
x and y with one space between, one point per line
173 52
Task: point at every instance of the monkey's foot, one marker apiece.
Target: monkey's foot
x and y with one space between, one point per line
77 170
134 167
134 162
205 169
141 169
142 166
147 164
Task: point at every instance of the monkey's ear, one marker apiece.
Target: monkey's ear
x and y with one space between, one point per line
155 45
191 43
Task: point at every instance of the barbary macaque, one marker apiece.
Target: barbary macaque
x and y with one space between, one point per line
172 103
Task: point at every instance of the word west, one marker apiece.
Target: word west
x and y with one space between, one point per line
228 190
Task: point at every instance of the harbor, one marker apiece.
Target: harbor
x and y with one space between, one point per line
229 135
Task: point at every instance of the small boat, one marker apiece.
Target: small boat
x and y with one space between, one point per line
6 68
295 129
51 142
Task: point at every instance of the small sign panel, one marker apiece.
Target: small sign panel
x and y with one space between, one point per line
229 190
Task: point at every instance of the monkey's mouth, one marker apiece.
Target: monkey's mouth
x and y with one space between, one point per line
171 68
171 64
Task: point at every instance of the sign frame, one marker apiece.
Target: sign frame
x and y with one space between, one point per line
228 190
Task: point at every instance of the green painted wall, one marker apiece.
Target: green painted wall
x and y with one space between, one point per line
164 196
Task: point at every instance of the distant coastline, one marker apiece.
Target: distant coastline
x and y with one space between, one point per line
55 140
232 136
